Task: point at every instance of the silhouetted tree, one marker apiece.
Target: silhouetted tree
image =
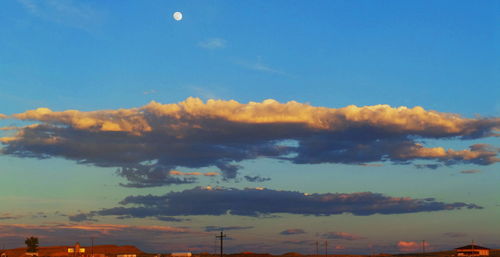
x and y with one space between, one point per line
32 244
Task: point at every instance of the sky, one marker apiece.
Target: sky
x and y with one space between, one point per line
370 125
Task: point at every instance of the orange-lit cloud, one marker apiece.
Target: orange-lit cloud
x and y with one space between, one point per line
134 120
411 246
206 174
473 171
197 134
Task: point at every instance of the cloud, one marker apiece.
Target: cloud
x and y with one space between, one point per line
455 234
217 228
149 92
427 166
65 12
371 164
261 202
260 66
146 143
470 171
410 246
58 234
9 216
341 236
150 176
180 173
212 43
81 217
292 231
256 179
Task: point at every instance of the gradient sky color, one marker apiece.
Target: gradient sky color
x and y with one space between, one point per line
108 55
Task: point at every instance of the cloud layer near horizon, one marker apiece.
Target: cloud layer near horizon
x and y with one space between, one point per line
146 143
261 202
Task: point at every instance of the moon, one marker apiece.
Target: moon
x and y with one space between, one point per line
177 16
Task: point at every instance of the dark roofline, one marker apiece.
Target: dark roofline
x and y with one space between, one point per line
470 247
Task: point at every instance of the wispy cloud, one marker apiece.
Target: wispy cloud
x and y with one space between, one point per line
9 216
149 92
206 174
146 143
71 13
292 231
341 235
217 228
212 43
473 171
427 166
259 65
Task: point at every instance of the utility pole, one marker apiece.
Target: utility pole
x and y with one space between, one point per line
215 245
472 244
221 237
317 247
92 248
326 248
423 246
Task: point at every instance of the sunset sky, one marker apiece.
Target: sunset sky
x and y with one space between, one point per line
371 124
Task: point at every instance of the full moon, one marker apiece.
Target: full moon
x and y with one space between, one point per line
177 16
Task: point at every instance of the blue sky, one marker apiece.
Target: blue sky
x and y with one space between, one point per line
104 55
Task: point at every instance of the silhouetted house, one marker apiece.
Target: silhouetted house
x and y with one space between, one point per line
472 250
181 254
76 250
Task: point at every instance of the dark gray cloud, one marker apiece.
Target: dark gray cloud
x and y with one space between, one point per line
218 228
256 179
341 236
81 217
145 143
292 231
262 202
427 166
170 219
150 176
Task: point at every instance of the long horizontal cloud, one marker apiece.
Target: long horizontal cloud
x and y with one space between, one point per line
292 231
341 235
217 228
146 143
258 202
